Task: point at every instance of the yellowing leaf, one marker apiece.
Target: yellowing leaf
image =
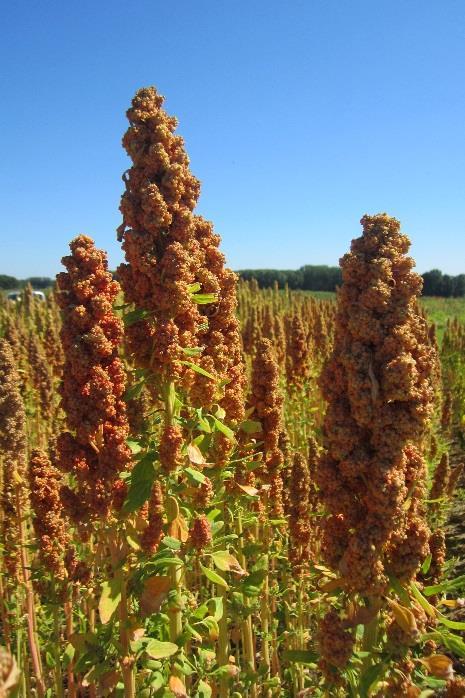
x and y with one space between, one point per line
450 603
110 598
332 585
227 562
404 617
171 508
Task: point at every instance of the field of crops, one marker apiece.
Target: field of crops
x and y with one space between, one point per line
213 490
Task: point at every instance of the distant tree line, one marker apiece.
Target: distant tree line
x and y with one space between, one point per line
10 282
307 278
325 278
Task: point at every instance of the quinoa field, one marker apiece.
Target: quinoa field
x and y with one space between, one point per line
212 490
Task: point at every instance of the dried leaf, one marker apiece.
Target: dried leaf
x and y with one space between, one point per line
177 687
154 593
195 454
439 666
248 489
179 529
227 562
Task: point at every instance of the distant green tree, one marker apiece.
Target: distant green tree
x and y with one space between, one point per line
39 281
8 282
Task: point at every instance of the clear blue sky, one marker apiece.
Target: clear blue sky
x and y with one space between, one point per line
299 116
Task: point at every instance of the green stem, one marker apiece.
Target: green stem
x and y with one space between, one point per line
127 661
223 645
247 633
370 636
58 674
30 607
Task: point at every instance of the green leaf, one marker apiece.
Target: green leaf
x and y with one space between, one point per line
192 351
136 316
452 624
251 427
400 591
172 543
212 626
217 526
68 655
198 369
193 633
221 560
256 578
219 411
426 564
110 598
157 681
430 610
300 656
195 475
204 298
134 446
224 430
452 642
214 577
134 391
203 690
142 479
217 607
160 650
448 585
203 424
369 677
193 288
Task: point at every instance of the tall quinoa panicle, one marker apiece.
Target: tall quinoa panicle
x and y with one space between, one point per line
48 521
158 234
378 385
172 253
299 514
13 451
95 449
268 403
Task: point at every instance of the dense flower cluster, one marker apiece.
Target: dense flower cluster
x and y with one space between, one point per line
175 273
267 400
297 362
13 449
153 534
41 377
379 390
47 508
94 381
200 534
336 644
440 479
299 513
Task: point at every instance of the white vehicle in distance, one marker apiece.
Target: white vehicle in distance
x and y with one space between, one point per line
16 296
